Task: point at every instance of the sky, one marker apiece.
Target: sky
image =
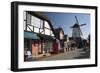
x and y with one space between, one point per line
66 20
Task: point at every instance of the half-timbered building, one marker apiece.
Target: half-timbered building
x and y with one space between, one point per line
39 36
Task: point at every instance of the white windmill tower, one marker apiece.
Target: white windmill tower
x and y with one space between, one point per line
76 32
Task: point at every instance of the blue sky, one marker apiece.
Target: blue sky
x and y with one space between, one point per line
66 20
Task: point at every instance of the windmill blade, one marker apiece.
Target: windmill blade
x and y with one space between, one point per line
76 20
80 31
82 24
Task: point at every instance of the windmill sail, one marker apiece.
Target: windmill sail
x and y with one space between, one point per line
76 33
82 24
80 31
76 20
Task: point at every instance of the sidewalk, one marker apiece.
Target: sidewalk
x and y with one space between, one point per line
74 54
62 56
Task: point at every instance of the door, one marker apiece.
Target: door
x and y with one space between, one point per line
55 47
35 48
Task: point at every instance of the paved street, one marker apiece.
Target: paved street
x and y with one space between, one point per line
75 54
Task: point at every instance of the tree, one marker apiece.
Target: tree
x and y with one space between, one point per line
88 40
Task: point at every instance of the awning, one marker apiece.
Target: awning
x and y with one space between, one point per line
45 37
30 35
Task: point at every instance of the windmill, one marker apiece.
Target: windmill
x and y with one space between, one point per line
76 32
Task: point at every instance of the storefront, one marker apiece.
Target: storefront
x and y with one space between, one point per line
41 40
60 37
31 45
46 43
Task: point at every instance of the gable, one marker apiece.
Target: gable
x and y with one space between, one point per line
37 25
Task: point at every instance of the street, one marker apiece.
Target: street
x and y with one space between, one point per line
75 54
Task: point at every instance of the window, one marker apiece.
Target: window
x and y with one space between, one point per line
47 31
47 46
38 25
36 30
41 24
30 28
47 28
42 31
52 33
47 24
61 35
24 25
35 21
28 18
24 14
26 44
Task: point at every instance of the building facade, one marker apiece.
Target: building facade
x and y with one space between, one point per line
60 36
39 36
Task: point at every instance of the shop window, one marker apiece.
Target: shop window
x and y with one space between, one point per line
27 44
47 46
